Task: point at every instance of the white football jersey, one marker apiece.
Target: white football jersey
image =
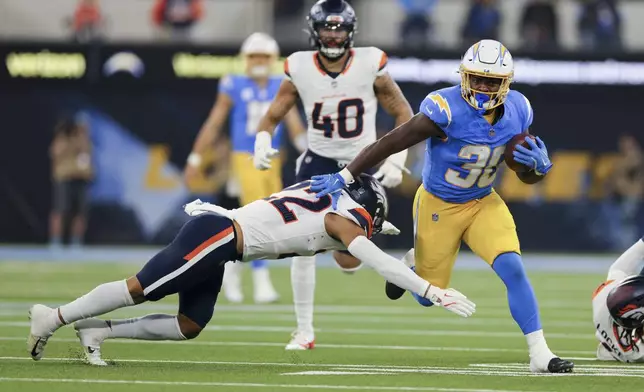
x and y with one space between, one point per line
614 344
341 111
291 223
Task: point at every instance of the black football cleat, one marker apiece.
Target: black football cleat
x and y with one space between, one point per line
393 292
558 365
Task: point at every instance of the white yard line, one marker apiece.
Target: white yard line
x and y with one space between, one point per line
615 367
347 318
504 370
201 342
486 310
247 385
364 331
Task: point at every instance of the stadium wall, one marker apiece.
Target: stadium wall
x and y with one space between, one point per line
145 104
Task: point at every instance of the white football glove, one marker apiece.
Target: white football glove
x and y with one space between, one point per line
198 207
390 172
451 300
389 229
264 151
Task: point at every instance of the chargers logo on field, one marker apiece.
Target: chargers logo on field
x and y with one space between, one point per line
442 105
124 62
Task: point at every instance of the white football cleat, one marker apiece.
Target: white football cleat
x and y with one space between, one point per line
92 332
43 325
232 282
301 341
263 290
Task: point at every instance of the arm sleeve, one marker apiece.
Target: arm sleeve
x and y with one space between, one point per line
631 262
387 266
290 66
382 61
436 107
347 208
359 216
287 70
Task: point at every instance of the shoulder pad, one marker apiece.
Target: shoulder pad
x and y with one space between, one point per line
524 107
437 108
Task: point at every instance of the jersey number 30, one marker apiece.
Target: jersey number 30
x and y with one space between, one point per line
325 123
482 172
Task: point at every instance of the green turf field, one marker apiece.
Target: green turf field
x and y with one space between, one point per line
365 342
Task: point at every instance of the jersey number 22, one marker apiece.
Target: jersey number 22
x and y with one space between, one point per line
288 215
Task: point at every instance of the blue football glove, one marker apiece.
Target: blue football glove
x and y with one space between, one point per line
328 184
536 158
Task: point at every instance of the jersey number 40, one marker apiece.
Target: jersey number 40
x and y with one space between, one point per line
325 123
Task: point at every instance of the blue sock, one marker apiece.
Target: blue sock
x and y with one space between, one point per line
521 298
421 300
258 264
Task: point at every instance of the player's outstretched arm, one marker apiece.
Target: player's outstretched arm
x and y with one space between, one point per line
296 129
282 103
208 133
394 103
414 131
392 99
393 270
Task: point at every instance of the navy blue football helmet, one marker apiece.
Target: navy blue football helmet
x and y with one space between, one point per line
335 15
370 194
626 302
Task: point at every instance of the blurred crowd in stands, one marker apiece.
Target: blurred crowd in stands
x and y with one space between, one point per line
599 21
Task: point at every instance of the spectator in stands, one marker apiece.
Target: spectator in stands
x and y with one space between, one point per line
482 22
70 154
416 28
624 193
600 25
87 21
287 9
539 25
176 18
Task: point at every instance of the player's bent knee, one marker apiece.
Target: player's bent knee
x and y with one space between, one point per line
509 267
189 328
135 289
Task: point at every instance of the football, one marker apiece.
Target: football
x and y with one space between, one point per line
509 148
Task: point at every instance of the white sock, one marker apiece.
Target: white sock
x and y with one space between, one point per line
150 327
537 345
303 282
232 276
103 299
262 285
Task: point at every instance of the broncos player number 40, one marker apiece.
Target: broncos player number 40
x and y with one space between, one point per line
483 170
347 109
